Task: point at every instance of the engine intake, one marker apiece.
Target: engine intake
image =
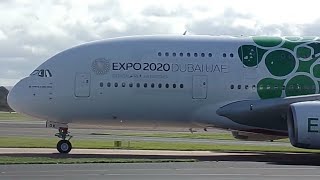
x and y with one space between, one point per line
304 124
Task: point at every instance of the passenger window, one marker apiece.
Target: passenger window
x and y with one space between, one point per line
41 73
210 54
115 84
159 53
167 54
246 87
181 86
174 54
109 84
130 85
167 85
239 86
253 87
101 84
152 85
188 54
195 54
138 85
159 85
298 87
123 84
174 85
231 55
181 54
224 55
145 85
268 87
232 86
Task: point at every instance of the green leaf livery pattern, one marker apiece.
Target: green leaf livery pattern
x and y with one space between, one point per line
293 64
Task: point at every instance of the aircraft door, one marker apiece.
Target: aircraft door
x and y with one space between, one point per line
199 87
82 85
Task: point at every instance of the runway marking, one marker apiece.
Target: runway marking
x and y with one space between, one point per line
286 168
250 168
23 122
232 175
289 175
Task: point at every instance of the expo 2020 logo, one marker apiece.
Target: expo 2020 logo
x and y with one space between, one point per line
101 66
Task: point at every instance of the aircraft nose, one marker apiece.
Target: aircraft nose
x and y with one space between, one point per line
16 97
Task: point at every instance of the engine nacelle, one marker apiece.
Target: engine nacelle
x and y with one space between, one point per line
249 136
304 124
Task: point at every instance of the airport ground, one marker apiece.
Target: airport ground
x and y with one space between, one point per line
143 171
190 164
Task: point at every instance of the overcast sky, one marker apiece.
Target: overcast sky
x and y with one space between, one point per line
31 31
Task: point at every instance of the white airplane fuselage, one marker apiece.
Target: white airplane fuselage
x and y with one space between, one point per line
141 81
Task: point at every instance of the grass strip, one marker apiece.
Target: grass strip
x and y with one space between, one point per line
25 142
14 116
215 136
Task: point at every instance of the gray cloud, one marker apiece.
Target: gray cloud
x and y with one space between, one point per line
312 29
158 11
227 24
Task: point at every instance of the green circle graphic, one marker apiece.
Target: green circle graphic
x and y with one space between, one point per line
304 52
316 71
300 85
270 88
280 62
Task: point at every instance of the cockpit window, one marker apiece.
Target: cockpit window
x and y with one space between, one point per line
41 73
35 72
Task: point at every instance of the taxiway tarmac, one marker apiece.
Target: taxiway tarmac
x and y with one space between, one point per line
160 171
37 129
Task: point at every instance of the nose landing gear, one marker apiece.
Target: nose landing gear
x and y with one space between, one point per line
64 145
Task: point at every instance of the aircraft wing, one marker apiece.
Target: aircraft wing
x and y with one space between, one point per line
267 114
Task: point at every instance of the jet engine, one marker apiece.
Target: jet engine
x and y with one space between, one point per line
304 124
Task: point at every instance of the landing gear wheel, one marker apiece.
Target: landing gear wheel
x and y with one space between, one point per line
64 146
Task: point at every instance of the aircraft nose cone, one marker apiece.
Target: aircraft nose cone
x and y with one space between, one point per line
12 98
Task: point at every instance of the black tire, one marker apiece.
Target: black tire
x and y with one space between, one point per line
64 146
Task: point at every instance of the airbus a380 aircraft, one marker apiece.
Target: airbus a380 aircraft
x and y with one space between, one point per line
268 86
